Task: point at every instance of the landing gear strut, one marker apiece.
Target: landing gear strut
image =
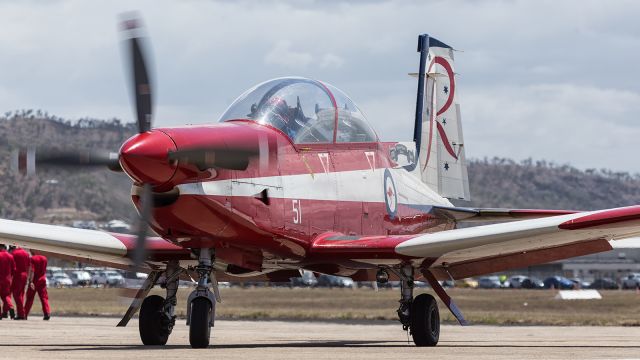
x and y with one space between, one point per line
419 315
201 305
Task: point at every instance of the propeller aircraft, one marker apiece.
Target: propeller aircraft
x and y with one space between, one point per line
293 177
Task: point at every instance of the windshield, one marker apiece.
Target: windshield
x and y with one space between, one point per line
306 110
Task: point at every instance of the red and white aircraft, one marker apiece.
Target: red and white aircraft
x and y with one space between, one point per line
293 177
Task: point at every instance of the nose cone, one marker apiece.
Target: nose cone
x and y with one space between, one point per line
144 157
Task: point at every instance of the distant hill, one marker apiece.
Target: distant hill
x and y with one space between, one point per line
95 194
502 182
58 195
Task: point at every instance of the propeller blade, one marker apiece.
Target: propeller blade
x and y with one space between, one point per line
206 158
77 157
146 203
22 161
27 160
140 79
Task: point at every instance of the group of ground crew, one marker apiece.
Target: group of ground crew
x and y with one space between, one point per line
20 270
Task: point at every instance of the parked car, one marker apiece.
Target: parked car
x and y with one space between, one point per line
489 282
306 280
580 284
516 281
604 284
335 281
52 269
448 284
467 283
532 283
134 279
60 279
107 278
80 277
632 281
558 282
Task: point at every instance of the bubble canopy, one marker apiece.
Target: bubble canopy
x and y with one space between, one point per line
306 110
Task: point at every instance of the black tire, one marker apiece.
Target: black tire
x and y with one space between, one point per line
199 329
425 320
150 325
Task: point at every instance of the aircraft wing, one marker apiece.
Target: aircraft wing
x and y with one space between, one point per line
89 246
479 250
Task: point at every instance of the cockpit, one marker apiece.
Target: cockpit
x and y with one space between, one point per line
307 111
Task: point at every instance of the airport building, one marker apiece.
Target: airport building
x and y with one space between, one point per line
614 264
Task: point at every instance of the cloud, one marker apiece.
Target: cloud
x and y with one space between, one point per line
283 55
331 61
520 60
558 122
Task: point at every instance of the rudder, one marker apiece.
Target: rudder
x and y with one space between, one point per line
441 162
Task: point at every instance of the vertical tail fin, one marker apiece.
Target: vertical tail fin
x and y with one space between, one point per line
441 162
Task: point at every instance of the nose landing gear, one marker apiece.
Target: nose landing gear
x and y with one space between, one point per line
201 305
157 314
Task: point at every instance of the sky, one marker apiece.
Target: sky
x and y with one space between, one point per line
553 80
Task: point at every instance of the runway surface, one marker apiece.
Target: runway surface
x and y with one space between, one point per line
98 338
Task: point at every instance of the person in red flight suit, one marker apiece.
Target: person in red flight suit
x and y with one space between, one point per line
7 268
38 283
22 260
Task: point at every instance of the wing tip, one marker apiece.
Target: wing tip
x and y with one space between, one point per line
601 218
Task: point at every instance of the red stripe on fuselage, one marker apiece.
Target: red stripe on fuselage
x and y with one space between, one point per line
197 221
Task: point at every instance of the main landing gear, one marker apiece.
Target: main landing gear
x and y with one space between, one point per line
420 315
157 314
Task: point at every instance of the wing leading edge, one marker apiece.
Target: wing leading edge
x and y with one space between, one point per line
92 246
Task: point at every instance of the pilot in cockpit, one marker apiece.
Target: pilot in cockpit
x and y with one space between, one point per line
279 114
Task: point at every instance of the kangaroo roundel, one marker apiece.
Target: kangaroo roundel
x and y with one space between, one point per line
390 194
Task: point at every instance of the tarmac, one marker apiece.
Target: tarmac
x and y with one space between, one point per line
99 338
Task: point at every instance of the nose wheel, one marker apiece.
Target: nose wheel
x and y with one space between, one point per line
199 327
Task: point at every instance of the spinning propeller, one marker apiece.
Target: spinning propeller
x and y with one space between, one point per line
146 151
142 92
27 160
